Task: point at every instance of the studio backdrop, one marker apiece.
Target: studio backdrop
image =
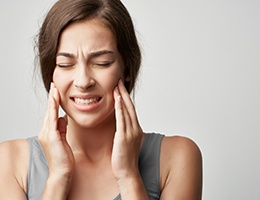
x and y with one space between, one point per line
200 78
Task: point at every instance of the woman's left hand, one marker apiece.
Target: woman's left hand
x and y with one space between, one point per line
128 136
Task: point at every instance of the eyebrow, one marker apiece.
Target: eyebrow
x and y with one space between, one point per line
92 54
100 53
70 55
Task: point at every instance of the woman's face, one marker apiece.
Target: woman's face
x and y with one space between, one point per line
88 67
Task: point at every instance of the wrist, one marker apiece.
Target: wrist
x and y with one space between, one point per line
60 182
58 179
132 187
57 187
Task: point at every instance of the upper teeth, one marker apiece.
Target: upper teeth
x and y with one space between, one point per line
86 101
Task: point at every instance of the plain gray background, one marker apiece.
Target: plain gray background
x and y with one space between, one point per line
200 79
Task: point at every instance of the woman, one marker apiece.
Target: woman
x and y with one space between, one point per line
89 59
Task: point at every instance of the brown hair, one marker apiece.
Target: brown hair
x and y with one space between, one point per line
112 12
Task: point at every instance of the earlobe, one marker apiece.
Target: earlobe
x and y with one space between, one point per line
127 79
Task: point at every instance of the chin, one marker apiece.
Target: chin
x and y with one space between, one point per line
93 121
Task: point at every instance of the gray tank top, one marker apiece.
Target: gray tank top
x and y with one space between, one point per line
149 167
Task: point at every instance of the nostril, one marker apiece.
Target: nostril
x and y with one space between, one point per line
84 83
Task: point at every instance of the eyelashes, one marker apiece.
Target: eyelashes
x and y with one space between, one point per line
97 64
64 65
103 64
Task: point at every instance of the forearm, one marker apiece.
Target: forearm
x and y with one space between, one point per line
56 188
132 188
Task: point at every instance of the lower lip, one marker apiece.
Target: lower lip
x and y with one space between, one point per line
86 107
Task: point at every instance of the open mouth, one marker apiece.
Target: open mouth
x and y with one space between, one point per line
86 101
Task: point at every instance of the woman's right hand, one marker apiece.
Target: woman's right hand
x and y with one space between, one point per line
53 140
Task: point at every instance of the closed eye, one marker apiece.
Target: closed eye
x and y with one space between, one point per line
104 64
64 65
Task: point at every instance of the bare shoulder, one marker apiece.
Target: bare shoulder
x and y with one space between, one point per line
181 168
176 146
14 164
14 149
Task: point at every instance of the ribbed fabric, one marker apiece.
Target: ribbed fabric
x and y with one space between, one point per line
149 167
38 170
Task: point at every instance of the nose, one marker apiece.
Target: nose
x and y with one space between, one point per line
83 77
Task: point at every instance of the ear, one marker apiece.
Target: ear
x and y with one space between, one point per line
127 79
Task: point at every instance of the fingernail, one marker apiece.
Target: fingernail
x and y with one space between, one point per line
52 85
116 89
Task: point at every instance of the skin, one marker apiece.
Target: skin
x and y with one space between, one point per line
96 145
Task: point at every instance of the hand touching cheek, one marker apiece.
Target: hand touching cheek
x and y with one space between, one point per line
128 136
53 139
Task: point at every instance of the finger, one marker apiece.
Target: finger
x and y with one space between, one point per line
127 117
120 120
55 93
50 115
128 103
53 106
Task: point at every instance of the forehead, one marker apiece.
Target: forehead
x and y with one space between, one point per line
88 34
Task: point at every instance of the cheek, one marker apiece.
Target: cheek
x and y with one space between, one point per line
111 79
57 79
60 81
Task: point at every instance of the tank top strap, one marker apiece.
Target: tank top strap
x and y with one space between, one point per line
38 170
149 164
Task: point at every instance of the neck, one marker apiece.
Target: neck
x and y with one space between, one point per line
93 143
